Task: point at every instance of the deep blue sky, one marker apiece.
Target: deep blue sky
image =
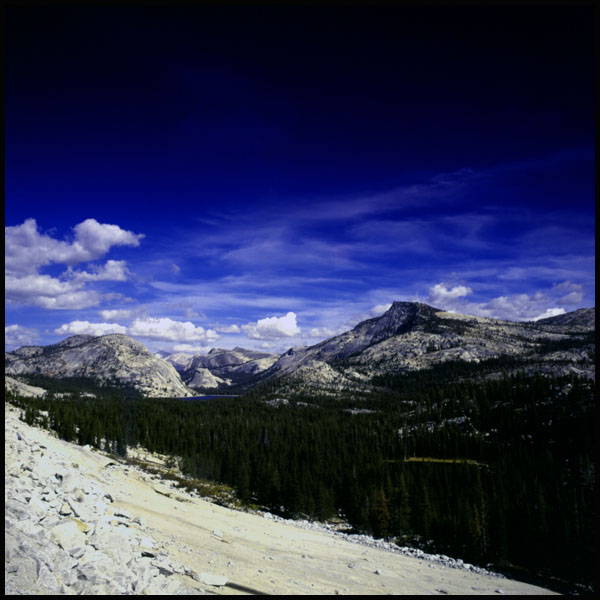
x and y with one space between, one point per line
257 162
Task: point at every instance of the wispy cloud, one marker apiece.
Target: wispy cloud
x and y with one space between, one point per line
467 241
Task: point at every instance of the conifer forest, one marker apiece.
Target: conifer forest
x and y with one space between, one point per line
496 471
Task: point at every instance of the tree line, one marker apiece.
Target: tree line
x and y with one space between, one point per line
504 476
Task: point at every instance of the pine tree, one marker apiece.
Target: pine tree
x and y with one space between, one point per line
379 513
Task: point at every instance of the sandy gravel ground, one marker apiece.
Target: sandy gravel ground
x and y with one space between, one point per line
266 556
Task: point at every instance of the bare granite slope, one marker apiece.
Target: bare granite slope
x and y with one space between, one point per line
77 522
412 336
220 367
112 359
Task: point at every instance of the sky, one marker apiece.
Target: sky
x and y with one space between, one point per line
267 177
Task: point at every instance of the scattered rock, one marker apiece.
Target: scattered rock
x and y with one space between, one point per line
63 537
65 509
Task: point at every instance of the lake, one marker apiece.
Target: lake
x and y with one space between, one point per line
193 398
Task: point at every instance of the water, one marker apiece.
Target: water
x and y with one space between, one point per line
194 398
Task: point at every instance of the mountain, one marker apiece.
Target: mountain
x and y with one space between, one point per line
413 336
409 336
180 360
114 360
441 435
221 367
580 320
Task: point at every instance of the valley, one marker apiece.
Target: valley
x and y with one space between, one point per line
476 441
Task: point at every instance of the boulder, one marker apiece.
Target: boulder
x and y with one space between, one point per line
67 535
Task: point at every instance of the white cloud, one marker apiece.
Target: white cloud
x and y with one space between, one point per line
516 307
113 270
16 336
27 251
272 328
163 329
550 312
73 301
169 330
87 328
512 307
440 294
48 292
93 240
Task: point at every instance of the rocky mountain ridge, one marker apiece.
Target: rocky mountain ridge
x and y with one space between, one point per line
220 367
409 336
413 336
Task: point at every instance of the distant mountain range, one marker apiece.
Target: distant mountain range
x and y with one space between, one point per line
409 336
221 367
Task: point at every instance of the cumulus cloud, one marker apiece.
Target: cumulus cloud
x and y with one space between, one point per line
16 336
48 292
163 329
511 307
169 330
87 328
440 294
515 307
27 251
113 270
93 240
272 328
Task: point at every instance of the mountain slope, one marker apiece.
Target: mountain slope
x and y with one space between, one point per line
191 537
221 367
113 359
412 336
409 336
